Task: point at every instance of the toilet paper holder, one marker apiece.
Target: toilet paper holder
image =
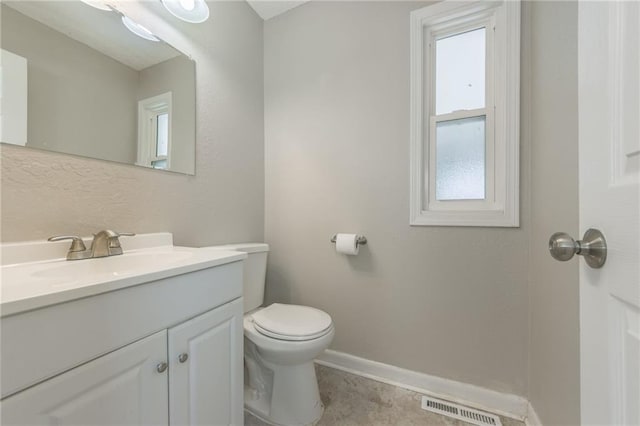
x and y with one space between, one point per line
360 239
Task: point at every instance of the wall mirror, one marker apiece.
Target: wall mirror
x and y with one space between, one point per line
86 81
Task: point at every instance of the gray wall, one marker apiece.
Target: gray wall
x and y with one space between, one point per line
45 194
554 370
88 108
446 301
176 76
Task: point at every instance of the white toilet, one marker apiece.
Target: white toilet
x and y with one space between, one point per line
280 343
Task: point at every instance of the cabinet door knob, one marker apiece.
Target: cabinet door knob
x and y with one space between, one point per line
160 368
183 357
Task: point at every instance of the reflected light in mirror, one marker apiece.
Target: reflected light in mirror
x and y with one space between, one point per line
97 4
193 11
138 29
188 4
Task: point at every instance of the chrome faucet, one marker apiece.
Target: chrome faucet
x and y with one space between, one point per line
105 243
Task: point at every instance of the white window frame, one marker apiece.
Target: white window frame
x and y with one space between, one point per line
502 110
148 111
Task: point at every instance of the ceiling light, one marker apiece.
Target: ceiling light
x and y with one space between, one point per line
194 11
97 4
138 29
187 4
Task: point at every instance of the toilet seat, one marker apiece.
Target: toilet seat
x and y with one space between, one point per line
292 322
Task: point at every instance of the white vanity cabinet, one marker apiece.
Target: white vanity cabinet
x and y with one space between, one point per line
206 369
202 358
167 351
119 388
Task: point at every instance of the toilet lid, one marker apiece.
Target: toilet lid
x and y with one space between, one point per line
292 322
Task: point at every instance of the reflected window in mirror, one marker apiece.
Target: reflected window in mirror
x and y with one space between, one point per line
154 131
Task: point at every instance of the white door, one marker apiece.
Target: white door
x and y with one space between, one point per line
206 369
13 98
121 388
609 129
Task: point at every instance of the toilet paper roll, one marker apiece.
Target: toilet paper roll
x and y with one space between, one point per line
346 244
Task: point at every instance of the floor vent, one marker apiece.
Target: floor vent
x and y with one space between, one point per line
460 412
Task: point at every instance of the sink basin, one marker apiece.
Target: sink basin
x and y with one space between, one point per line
111 266
34 284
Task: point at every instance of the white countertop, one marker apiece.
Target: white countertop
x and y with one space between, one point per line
36 274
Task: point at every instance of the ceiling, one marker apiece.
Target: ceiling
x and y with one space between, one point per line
98 29
104 32
267 9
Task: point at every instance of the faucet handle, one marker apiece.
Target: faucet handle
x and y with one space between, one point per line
76 245
77 249
108 233
113 234
114 242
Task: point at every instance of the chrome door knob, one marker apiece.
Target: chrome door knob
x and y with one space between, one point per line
162 367
183 357
593 247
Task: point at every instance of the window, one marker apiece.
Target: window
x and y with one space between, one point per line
154 131
465 69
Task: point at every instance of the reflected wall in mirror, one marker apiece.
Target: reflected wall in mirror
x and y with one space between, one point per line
75 80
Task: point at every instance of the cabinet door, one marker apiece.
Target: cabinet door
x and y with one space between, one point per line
206 368
120 388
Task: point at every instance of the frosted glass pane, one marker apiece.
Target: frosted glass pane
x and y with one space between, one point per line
460 72
162 142
159 164
460 163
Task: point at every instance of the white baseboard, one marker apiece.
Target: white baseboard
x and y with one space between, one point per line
504 404
532 417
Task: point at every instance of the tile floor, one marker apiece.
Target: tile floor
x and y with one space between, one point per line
352 400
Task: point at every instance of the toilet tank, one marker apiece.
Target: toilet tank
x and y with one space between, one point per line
254 272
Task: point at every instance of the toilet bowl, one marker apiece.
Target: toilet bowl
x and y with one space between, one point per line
282 387
280 343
